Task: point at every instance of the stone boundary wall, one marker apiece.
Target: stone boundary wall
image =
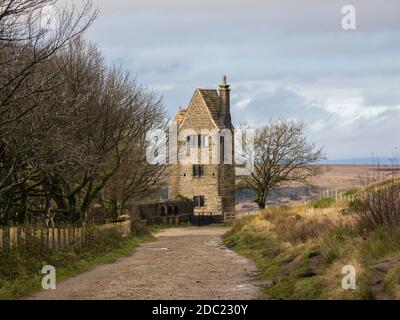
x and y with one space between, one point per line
167 212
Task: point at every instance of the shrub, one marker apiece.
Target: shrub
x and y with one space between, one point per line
381 205
355 205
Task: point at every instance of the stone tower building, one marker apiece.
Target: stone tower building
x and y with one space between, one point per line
205 168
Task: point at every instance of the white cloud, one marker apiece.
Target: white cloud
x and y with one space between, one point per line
287 59
242 104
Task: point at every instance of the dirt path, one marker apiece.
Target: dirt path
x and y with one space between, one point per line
184 263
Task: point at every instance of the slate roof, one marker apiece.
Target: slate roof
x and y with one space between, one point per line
213 103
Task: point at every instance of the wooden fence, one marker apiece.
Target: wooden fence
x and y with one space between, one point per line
12 237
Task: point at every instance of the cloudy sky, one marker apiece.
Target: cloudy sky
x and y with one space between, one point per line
284 59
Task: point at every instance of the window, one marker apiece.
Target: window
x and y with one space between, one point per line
198 140
198 170
222 150
198 201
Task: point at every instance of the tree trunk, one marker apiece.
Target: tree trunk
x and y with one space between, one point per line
261 199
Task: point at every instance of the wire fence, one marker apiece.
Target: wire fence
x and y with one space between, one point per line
333 194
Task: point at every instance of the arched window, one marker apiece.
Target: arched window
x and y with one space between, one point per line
163 211
169 211
176 210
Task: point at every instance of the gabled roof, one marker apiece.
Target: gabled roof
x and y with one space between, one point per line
213 103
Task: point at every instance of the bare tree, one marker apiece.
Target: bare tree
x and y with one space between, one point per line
281 154
72 129
27 74
87 135
136 178
25 45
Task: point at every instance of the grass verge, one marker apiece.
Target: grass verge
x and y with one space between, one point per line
20 270
302 257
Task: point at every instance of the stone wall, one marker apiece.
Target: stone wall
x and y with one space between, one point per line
168 212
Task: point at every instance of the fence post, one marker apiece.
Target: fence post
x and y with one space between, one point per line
61 233
6 238
73 234
76 234
1 238
13 240
20 232
25 233
56 237
50 237
66 234
47 237
81 235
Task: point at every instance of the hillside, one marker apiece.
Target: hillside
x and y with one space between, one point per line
303 252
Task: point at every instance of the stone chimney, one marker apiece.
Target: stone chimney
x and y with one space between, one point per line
224 93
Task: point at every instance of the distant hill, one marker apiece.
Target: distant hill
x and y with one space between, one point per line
362 161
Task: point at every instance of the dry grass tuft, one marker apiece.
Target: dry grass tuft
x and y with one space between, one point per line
291 227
